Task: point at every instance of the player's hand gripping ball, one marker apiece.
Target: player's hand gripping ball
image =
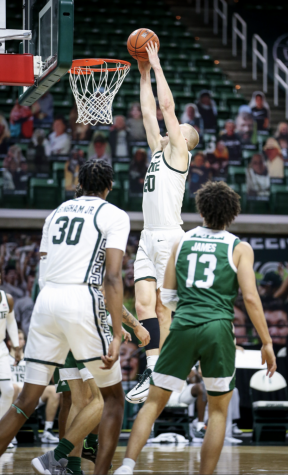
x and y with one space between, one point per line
138 41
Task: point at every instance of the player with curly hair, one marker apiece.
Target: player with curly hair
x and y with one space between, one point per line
201 282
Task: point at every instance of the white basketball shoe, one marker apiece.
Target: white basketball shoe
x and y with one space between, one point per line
140 392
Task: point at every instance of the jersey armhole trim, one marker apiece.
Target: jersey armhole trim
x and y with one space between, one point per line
230 254
174 169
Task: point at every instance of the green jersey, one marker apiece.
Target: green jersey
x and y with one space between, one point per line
206 277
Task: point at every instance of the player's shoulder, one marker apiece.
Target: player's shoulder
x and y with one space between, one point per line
111 215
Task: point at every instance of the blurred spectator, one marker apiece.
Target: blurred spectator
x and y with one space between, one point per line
37 152
160 119
257 177
79 131
231 141
208 111
4 135
129 361
277 321
10 283
21 121
199 173
134 124
246 128
72 168
59 140
15 174
100 147
43 110
118 138
282 131
282 138
260 110
219 158
240 322
269 285
137 171
191 116
275 162
24 306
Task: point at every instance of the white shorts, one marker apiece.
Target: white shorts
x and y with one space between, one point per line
70 374
185 397
153 253
68 317
5 370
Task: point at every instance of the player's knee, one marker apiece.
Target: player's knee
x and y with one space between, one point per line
143 309
26 403
51 393
163 314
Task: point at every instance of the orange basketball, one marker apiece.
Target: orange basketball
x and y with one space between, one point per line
137 42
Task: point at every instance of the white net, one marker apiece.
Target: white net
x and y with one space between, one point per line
94 90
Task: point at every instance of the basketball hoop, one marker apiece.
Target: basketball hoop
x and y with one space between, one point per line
94 94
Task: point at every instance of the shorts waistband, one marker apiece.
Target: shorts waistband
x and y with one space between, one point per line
57 285
165 229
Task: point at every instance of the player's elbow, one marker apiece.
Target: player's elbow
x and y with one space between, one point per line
167 105
250 299
112 279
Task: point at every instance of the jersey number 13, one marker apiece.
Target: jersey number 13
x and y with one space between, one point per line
208 271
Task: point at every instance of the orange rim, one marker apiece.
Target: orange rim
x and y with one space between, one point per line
82 64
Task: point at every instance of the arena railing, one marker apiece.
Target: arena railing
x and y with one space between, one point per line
205 8
224 15
262 57
242 35
284 83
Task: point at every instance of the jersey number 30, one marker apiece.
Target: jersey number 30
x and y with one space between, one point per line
208 271
74 230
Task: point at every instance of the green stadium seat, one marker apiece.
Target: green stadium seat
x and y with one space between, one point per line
212 73
204 62
44 193
58 171
114 197
121 171
257 207
222 86
279 199
236 174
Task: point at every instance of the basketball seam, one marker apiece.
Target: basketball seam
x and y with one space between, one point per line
137 39
150 39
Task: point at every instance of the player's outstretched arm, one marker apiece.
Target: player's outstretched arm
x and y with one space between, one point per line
148 107
140 332
167 106
247 283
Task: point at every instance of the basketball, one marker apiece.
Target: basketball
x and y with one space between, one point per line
137 42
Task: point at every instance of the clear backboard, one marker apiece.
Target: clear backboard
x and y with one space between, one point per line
52 26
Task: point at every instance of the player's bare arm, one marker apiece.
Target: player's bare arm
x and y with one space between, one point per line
114 295
148 107
243 258
176 152
140 332
170 281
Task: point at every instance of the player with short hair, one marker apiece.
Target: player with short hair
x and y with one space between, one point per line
163 192
84 240
202 277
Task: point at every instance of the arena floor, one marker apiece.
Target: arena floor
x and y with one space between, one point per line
171 459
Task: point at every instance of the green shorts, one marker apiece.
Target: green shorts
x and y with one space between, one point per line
69 368
213 344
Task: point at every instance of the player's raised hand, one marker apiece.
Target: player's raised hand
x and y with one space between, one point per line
152 50
113 354
144 66
268 356
142 334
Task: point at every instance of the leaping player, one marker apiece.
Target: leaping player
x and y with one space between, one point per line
164 189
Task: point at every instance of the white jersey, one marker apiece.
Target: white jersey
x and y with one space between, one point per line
7 322
76 236
18 371
163 192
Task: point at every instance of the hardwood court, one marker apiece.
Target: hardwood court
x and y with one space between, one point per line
171 459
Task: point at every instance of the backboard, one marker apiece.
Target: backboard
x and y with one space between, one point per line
52 26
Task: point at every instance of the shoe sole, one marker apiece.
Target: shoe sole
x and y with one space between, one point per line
38 467
136 401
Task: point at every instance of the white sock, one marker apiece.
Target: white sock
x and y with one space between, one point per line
151 361
48 425
129 463
200 425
